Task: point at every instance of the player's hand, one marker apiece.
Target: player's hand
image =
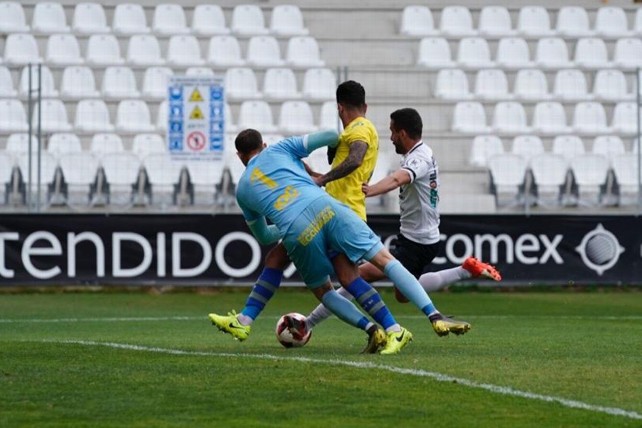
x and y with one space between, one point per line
318 180
365 188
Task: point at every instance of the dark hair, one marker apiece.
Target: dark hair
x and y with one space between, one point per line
407 119
248 140
351 93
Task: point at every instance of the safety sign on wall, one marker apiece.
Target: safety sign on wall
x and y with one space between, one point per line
196 117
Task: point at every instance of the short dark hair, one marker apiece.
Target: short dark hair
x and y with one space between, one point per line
408 119
248 140
351 93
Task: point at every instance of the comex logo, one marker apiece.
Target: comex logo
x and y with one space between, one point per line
600 249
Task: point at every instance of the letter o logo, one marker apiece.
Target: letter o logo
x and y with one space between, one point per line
220 251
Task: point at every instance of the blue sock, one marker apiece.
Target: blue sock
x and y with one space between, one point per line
409 286
262 292
344 309
371 302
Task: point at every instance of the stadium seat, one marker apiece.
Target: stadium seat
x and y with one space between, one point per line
590 173
549 176
89 18
155 81
509 117
264 52
637 24
21 49
589 118
162 117
531 85
143 50
513 53
12 116
280 84
46 170
295 118
318 161
63 49
287 20
119 83
104 143
625 120
163 175
257 115
552 53
303 52
49 18
456 21
129 19
7 89
570 85
434 53
610 85
319 84
103 50
206 177
133 117
507 173
494 21
209 20
241 84
92 116
591 53
533 21
6 174
568 146
53 116
169 19
224 51
329 118
233 165
230 124
12 18
417 21
483 148
469 117
611 22
77 83
626 55
527 146
549 118
474 53
18 143
122 170
573 21
452 84
144 144
626 169
184 51
491 84
248 20
62 143
199 72
608 146
46 80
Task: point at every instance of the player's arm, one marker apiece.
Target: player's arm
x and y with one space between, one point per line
317 140
386 184
264 233
354 160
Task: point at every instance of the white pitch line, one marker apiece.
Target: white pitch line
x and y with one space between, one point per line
504 390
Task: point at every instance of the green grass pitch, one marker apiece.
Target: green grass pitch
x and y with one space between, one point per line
134 359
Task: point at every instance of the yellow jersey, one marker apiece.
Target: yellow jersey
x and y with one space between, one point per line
348 188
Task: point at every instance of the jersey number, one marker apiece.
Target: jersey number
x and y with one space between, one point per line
289 194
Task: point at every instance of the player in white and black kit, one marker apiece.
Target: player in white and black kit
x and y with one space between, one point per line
418 241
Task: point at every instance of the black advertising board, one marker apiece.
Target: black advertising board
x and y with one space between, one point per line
58 249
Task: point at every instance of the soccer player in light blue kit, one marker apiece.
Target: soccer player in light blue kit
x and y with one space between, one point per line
276 186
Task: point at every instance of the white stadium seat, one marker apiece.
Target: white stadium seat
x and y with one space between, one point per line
568 146
491 84
550 118
469 117
549 175
241 84
46 170
264 52
53 116
12 116
63 49
143 50
494 21
248 20
637 24
509 117
169 19
163 175
21 49
133 117
155 81
328 117
608 145
18 143
507 173
6 173
573 21
295 118
611 22
257 115
78 82
129 19
103 50
7 89
417 21
552 53
49 18
570 85
452 84
184 51
531 85
591 53
626 168
62 143
104 143
625 120
590 172
456 21
121 170
89 18
589 118
627 53
144 144
205 176
610 85
209 20
224 51
303 52
474 53
92 116
280 84
162 117
513 53
483 148
46 79
533 21
12 18
434 53
287 20
119 83
319 84
527 146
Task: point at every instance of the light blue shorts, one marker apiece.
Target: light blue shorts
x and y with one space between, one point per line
327 225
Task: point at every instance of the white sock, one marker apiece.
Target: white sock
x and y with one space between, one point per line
244 319
321 313
433 281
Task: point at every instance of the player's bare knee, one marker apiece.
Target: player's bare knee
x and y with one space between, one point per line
277 258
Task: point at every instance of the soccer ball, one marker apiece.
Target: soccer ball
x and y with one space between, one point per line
291 330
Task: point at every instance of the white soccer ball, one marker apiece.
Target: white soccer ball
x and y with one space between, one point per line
291 330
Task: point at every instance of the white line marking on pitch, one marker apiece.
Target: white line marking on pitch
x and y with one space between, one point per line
364 365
